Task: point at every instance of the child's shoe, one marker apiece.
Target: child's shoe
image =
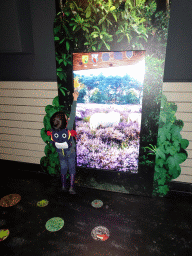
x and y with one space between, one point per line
63 189
72 191
63 181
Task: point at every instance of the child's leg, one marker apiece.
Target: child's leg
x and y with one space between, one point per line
72 170
63 180
64 168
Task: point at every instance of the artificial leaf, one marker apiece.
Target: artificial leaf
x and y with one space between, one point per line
55 101
112 8
163 189
96 28
61 75
74 27
176 144
179 123
162 180
61 89
175 129
175 172
101 20
160 153
180 157
94 48
67 45
176 137
160 175
171 162
88 12
46 121
61 60
159 162
48 108
94 34
107 45
56 30
114 16
171 150
62 41
184 143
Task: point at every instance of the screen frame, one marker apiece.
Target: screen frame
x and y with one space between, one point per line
140 183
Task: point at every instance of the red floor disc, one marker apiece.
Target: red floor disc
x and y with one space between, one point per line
10 200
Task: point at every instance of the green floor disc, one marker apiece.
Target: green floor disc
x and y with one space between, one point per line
54 224
42 203
4 233
10 200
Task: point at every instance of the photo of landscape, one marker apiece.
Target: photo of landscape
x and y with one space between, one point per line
108 116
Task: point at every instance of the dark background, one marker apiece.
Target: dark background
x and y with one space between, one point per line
27 51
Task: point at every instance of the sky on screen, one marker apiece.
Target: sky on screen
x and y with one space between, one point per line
136 71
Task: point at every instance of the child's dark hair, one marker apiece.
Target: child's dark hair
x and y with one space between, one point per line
58 121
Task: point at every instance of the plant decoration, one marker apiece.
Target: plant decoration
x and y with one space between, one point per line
103 25
50 162
170 150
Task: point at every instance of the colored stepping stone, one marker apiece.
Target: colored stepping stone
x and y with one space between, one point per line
42 203
10 200
100 233
54 224
97 203
4 233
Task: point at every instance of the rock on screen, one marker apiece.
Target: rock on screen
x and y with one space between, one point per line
109 109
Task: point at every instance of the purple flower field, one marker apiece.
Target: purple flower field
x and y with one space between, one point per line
110 148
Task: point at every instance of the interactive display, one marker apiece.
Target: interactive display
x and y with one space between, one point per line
109 109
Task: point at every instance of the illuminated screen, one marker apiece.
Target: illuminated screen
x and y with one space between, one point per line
109 109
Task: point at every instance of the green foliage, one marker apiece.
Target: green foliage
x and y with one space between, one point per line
98 26
170 151
50 162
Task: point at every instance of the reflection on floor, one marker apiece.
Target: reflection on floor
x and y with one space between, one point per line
116 225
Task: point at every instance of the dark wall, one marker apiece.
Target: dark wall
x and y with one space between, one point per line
178 62
33 58
34 52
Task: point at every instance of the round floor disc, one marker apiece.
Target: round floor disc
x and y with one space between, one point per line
4 233
54 224
97 203
42 203
100 233
10 200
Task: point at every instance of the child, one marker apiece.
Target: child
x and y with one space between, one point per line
64 143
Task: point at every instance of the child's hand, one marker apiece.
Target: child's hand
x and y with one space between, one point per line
75 95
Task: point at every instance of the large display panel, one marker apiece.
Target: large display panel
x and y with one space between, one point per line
113 154
109 109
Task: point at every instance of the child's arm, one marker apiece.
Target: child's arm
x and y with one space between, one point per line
73 111
75 95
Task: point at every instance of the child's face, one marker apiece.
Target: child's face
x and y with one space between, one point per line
60 136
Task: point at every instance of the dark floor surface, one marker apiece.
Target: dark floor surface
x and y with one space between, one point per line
137 225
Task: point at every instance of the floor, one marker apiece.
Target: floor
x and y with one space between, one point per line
136 225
